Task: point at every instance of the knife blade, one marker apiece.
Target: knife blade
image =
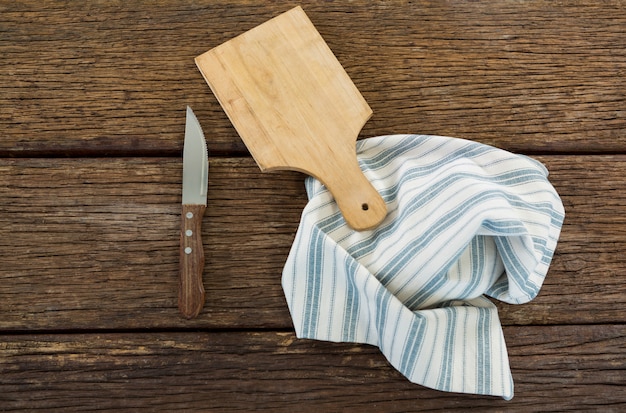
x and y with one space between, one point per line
194 200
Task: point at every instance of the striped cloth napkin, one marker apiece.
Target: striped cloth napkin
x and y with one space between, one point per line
465 221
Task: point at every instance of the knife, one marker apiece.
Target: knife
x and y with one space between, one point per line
195 188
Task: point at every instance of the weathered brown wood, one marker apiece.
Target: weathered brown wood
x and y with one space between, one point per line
559 368
114 78
89 246
93 243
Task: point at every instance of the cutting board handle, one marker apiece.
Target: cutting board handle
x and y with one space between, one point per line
360 203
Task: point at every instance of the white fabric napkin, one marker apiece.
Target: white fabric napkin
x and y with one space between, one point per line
465 221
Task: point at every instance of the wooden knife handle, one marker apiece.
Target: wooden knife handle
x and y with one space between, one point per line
191 289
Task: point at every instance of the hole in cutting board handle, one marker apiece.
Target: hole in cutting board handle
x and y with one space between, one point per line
365 207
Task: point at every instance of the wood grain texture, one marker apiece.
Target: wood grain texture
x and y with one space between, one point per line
86 235
89 244
99 238
98 78
563 368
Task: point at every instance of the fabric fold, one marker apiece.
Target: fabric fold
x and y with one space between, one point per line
465 221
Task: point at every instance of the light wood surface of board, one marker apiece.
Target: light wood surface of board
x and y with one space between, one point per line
295 107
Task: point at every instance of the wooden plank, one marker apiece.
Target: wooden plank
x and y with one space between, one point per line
93 243
567 367
96 78
77 234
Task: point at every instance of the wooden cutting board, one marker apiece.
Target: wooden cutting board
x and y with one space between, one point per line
296 108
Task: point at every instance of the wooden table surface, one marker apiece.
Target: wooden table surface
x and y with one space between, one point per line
92 110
